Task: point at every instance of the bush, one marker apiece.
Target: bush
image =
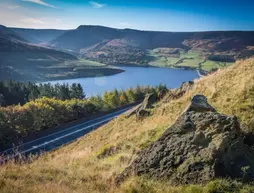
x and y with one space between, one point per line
43 113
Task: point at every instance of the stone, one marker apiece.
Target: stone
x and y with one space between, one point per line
141 109
200 146
178 92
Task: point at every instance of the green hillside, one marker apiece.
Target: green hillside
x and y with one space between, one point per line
92 163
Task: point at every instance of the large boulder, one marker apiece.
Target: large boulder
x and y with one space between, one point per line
200 146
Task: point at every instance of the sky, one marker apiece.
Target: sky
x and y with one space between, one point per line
156 15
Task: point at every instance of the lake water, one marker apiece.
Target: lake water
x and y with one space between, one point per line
132 77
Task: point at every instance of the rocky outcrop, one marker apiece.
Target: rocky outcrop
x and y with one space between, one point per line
141 109
200 146
179 92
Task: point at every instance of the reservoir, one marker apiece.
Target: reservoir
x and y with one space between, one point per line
133 76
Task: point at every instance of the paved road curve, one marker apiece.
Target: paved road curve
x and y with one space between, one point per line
57 139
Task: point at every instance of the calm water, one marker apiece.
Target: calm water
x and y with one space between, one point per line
132 77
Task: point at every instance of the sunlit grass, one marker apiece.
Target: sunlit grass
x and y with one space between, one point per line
77 168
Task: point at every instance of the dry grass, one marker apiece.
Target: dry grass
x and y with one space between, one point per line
76 168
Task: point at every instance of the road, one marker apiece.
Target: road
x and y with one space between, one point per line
59 138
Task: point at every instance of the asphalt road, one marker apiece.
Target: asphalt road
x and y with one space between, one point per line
59 138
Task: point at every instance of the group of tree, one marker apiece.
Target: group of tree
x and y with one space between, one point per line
18 121
14 92
115 98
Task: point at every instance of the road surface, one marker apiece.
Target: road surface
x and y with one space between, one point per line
59 138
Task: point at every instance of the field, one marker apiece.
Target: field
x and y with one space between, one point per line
209 65
189 60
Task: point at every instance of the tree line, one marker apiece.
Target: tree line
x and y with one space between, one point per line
19 121
14 92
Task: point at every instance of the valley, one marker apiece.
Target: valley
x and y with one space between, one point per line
205 51
91 51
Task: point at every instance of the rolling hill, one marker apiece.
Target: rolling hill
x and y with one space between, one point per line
21 60
128 46
24 61
39 49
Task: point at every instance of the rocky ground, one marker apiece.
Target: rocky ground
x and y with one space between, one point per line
200 146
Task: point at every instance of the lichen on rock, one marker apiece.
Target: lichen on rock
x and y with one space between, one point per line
200 146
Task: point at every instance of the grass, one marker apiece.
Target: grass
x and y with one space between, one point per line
143 185
77 168
84 63
50 66
190 59
80 68
209 65
161 61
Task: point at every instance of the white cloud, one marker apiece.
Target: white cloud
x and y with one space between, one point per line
40 2
96 4
32 21
41 21
125 24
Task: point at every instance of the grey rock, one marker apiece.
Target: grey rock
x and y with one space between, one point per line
200 146
141 109
178 92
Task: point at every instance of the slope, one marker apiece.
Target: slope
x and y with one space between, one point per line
22 61
92 163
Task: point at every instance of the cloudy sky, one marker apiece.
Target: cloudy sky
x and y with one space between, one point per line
163 15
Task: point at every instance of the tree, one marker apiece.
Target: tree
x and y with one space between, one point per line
34 92
115 100
97 101
64 92
123 98
131 95
139 95
46 90
2 101
76 91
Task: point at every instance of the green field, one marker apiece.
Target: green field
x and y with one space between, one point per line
210 65
80 63
80 68
190 59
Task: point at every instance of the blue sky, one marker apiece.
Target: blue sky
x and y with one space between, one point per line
160 15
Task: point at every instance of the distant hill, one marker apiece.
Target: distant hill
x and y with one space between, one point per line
10 34
38 36
205 51
23 61
86 36
111 45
